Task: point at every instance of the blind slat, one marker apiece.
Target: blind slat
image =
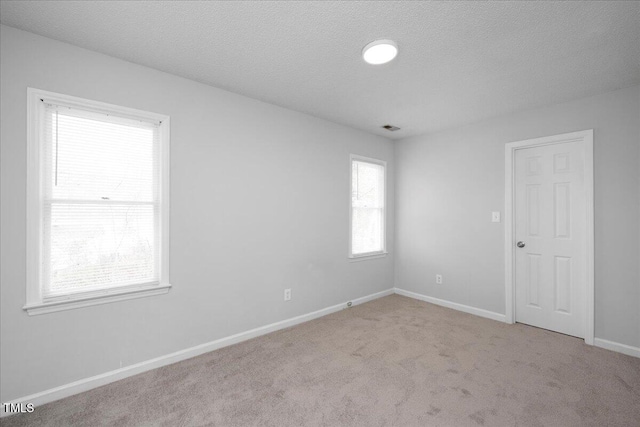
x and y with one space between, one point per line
101 177
367 202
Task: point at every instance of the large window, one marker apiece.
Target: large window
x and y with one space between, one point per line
367 207
98 203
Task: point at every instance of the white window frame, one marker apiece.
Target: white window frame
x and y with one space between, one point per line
35 302
383 252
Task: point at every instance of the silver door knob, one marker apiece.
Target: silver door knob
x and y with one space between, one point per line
520 244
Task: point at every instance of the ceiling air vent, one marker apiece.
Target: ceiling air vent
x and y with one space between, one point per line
391 128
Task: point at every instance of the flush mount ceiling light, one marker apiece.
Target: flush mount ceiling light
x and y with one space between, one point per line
380 52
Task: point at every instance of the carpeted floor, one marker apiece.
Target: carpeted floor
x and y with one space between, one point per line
391 362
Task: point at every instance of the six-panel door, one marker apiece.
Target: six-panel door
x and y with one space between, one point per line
550 220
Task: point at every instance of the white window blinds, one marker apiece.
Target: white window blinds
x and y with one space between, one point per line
100 177
367 207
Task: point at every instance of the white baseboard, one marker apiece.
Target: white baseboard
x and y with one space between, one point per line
108 377
454 305
615 346
598 342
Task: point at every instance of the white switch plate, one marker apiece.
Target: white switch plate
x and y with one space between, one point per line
439 279
495 216
287 294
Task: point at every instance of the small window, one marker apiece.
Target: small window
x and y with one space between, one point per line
98 203
367 207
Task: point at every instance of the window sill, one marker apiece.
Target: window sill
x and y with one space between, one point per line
376 255
86 301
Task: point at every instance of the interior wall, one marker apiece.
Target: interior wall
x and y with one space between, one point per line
259 203
448 183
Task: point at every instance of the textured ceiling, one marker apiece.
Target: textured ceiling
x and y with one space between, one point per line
458 62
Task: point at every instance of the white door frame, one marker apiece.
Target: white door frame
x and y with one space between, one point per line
586 137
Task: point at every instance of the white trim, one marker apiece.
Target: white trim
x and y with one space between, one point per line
165 199
598 342
35 301
34 217
96 106
589 183
617 347
108 296
453 305
374 255
585 136
80 386
383 252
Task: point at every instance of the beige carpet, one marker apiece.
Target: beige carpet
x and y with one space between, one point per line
394 361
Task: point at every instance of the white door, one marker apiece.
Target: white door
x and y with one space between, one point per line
550 236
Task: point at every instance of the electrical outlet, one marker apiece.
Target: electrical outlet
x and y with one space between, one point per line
287 294
495 216
439 279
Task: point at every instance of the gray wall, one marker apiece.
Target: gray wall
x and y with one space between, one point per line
448 183
259 204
